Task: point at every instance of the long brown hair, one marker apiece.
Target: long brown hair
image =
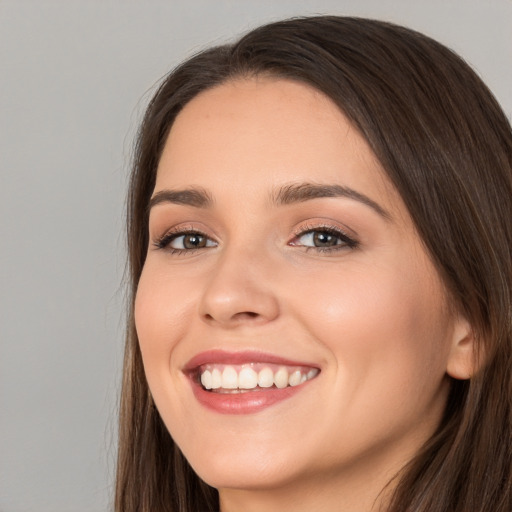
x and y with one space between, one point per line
447 148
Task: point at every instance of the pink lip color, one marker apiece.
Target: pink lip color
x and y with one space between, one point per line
247 402
248 356
242 403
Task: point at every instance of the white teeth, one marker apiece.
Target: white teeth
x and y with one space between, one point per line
281 378
216 379
266 378
229 378
295 378
247 378
253 375
206 379
312 373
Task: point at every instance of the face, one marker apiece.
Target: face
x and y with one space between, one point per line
291 324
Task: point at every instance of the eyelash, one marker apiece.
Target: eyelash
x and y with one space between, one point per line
164 241
347 242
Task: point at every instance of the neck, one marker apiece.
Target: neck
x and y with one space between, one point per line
365 491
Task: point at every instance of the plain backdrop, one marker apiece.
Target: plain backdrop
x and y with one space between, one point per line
74 79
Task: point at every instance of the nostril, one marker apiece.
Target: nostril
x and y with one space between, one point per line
246 314
241 315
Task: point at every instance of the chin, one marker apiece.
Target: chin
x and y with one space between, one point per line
253 466
245 474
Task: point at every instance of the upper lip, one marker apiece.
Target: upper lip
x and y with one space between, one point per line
243 357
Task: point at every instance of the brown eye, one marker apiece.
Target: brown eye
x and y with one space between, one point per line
184 241
319 238
190 241
193 241
324 239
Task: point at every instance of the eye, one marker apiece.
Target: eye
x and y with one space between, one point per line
190 241
324 239
185 241
319 239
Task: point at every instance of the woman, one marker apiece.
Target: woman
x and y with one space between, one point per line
320 253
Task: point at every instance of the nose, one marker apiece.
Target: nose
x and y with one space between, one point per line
240 291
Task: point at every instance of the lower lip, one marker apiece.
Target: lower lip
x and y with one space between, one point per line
248 402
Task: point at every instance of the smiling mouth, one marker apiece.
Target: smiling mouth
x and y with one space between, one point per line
246 382
242 378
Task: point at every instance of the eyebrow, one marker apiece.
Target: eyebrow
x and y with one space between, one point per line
288 194
300 192
197 197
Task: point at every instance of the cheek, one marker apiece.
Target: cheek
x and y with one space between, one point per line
162 318
386 326
386 330
161 309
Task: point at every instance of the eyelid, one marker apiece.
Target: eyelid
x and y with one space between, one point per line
162 242
349 241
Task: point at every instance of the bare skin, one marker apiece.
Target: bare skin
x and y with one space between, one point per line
342 283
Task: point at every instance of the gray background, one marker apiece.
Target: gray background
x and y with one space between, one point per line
74 79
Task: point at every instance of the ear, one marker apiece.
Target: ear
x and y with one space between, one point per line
463 360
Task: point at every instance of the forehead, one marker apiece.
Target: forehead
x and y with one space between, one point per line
261 132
